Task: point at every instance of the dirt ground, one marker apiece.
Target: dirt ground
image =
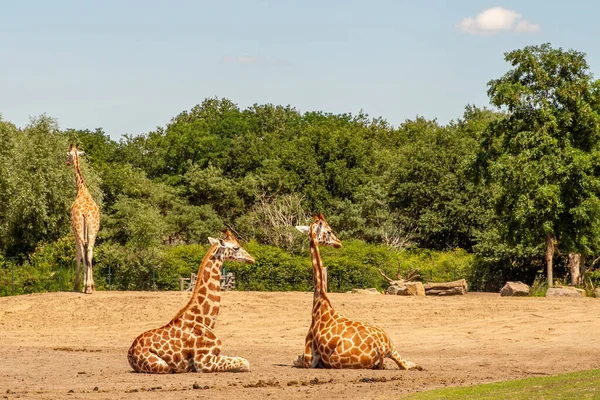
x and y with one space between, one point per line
69 345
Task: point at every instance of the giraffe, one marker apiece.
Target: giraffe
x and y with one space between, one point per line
188 343
334 341
85 221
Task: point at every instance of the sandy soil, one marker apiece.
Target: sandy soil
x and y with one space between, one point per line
69 345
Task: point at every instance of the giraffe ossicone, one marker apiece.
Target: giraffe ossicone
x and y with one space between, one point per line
85 221
188 343
334 341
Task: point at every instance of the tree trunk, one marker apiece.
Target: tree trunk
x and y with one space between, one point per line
574 267
549 254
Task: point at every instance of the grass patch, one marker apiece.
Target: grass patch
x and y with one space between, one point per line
539 287
575 385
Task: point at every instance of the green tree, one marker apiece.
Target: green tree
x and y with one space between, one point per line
544 156
431 187
38 186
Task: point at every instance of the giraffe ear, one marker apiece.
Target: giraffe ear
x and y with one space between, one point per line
303 228
213 240
321 216
80 153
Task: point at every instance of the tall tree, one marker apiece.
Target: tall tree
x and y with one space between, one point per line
431 189
544 156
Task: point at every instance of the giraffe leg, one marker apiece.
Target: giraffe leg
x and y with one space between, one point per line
79 257
90 239
209 359
89 276
218 363
148 362
310 358
380 356
402 364
92 242
86 271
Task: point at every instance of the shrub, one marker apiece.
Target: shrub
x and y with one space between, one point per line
121 267
179 262
274 270
50 268
125 268
539 286
355 265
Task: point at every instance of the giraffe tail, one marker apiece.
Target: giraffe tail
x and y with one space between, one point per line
86 241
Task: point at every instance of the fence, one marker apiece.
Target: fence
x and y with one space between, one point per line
19 279
7 279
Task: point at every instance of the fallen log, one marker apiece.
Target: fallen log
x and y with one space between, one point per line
446 292
446 285
446 288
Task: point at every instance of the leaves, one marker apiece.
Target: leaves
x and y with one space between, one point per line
493 182
541 159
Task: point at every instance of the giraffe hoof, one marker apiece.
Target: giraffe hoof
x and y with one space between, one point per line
413 366
245 366
298 362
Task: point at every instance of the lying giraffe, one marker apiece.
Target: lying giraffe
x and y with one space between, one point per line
334 341
187 343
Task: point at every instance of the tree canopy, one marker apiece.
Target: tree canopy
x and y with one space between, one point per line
516 185
543 157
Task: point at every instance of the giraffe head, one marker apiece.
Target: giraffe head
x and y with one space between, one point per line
323 232
230 249
73 153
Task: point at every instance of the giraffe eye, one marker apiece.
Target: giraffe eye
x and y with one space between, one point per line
236 248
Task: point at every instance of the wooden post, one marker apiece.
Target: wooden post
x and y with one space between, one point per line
549 255
574 260
181 280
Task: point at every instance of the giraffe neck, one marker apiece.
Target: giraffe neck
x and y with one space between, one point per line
320 295
205 301
81 187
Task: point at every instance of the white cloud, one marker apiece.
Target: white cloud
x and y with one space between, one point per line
249 60
527 27
495 20
240 59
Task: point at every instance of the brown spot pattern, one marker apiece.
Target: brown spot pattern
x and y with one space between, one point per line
334 341
188 343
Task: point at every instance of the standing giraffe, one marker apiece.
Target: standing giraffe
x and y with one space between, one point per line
187 343
85 220
334 341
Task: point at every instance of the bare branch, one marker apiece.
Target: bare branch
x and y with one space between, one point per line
385 276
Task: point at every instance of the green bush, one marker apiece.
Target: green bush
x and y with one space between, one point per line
50 268
355 265
440 266
119 267
591 281
179 262
274 270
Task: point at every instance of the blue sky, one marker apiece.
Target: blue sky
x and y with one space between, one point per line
128 66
